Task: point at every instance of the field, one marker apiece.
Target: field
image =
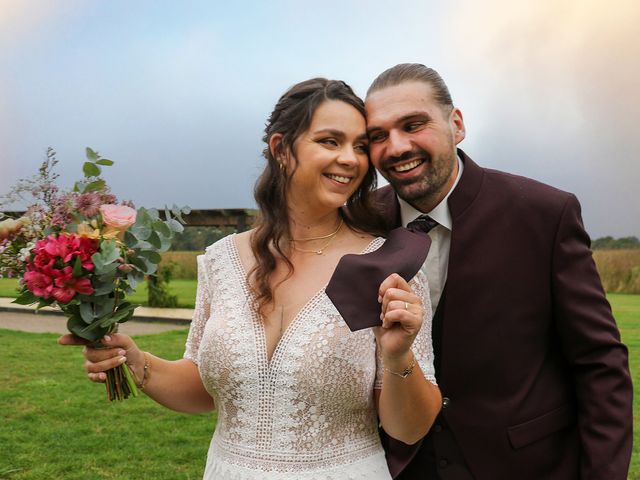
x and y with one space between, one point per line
56 424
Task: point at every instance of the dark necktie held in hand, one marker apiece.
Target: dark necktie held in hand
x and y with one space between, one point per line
354 285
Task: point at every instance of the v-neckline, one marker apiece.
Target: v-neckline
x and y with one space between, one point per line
261 333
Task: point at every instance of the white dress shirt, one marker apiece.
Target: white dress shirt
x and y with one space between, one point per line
435 266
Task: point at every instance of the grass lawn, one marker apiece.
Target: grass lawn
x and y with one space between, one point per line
185 290
56 424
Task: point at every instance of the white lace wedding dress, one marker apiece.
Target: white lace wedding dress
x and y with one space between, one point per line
308 413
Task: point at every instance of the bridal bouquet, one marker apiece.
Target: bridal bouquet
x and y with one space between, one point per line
85 252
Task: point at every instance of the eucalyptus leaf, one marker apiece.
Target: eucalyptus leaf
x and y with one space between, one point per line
109 251
177 213
105 308
141 231
154 239
175 225
162 228
166 244
151 255
86 312
186 210
90 169
130 239
154 214
105 161
106 269
104 288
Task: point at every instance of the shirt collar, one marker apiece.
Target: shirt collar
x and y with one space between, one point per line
440 213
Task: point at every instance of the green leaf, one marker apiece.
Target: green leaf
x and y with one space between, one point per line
177 213
166 244
26 298
96 186
175 225
86 312
105 161
154 239
141 264
106 269
79 187
109 251
90 169
91 154
77 267
130 239
104 288
162 228
154 214
141 231
151 255
44 303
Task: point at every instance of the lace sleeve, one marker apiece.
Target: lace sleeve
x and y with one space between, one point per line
201 313
422 345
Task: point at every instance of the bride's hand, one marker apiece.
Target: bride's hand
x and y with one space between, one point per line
402 315
119 348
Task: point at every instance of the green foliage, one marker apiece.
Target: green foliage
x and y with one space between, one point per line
159 295
198 238
610 243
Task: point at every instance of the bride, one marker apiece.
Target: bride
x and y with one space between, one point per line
299 396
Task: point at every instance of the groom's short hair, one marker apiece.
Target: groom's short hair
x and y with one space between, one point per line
413 72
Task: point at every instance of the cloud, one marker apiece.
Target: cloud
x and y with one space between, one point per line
557 84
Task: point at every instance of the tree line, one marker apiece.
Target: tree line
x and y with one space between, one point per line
198 238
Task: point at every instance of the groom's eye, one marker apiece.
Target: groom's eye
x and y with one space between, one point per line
376 137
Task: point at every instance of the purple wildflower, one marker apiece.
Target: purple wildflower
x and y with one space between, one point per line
88 204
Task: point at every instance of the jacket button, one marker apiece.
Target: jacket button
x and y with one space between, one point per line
443 462
446 402
437 428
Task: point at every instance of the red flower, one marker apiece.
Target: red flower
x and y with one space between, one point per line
39 284
68 286
45 276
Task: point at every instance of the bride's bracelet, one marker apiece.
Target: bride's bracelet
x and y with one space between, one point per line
146 372
406 372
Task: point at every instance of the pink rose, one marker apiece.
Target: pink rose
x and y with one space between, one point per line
119 217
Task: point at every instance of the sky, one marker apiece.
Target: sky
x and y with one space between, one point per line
177 93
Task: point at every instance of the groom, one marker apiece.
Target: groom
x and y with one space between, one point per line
534 378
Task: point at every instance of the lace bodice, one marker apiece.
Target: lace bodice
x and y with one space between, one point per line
308 413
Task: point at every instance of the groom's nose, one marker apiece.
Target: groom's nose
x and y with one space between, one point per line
397 143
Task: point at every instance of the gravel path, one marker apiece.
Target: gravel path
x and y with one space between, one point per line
42 322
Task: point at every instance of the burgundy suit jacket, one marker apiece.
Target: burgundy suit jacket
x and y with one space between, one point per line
531 361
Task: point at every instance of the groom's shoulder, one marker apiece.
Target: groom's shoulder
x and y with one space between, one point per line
519 186
385 195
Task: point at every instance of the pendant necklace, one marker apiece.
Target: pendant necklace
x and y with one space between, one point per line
321 250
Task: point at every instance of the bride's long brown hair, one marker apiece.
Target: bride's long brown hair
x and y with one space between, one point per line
290 118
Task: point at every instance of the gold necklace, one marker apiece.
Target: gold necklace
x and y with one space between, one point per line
322 237
319 251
